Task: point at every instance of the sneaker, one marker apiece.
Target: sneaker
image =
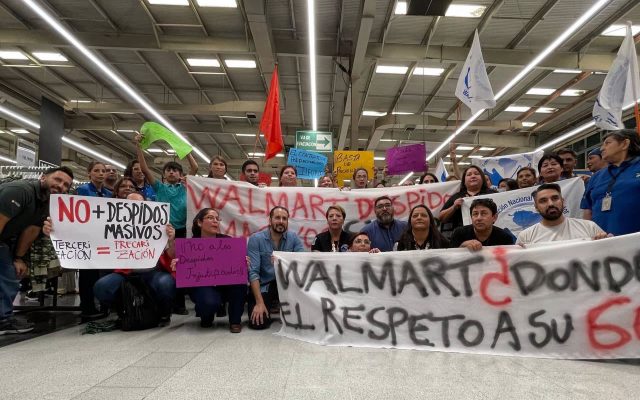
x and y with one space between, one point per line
33 296
206 323
180 311
235 328
12 325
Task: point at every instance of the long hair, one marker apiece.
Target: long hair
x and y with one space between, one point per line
196 231
222 160
463 185
116 187
434 238
129 170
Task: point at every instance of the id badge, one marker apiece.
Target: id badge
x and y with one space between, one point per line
606 203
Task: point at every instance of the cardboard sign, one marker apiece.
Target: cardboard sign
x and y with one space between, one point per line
574 300
405 159
100 233
244 208
152 131
211 262
345 162
309 165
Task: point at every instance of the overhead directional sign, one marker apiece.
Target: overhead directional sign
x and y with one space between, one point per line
314 141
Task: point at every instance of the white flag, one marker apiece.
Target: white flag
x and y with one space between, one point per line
474 88
618 88
441 172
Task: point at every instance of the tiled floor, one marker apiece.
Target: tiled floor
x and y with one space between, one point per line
184 361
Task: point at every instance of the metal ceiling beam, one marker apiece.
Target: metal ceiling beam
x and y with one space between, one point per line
513 98
175 109
186 127
256 12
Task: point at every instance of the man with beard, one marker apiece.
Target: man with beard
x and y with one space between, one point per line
385 231
554 225
111 176
263 293
24 205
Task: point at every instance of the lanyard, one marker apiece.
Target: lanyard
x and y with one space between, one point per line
615 177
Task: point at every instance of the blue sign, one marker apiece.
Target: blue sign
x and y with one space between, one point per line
309 165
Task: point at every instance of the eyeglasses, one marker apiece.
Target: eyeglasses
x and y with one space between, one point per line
362 241
212 218
383 206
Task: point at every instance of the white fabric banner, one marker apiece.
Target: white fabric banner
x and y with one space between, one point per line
578 301
100 233
516 211
507 166
618 87
244 208
474 88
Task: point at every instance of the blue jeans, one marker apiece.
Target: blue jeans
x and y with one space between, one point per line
162 285
209 298
9 283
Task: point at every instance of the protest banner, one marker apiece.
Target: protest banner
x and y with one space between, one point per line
153 131
211 262
345 162
581 300
244 208
404 159
516 209
309 165
508 166
100 233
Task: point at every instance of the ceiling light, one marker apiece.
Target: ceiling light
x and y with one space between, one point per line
373 113
170 151
620 30
464 148
567 71
79 101
126 130
240 63
256 154
547 92
464 163
280 155
363 139
401 113
23 131
527 124
274 178
428 71
517 109
234 116
46 56
311 31
169 2
474 156
203 62
573 92
546 110
206 73
218 3
390 69
487 148
155 150
457 155
246 134
12 55
6 159
401 8
465 11
86 150
346 180
388 140
109 72
379 158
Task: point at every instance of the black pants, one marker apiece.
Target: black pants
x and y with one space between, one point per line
269 298
87 278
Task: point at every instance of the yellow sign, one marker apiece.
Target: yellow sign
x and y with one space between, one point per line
346 162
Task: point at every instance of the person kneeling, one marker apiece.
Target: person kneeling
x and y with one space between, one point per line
481 232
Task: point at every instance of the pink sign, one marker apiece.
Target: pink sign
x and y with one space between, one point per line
211 262
403 159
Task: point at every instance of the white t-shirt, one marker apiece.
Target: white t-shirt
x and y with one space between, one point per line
571 228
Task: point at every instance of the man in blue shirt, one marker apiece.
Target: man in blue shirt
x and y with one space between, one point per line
385 230
262 276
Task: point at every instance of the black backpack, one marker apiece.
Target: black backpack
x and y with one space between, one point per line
139 310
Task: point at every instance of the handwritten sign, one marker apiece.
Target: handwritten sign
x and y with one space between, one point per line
244 208
153 131
309 165
211 262
345 162
100 233
575 300
404 159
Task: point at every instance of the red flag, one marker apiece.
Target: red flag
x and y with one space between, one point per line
270 124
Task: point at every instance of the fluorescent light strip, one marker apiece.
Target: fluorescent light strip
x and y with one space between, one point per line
405 178
554 45
14 115
12 55
47 56
110 73
311 20
6 159
92 152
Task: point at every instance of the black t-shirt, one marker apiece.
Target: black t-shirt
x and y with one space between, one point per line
498 237
322 242
455 221
24 204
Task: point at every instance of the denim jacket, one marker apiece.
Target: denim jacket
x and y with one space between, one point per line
260 249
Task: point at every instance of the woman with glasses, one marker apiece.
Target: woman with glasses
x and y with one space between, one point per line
335 239
421 233
208 299
360 243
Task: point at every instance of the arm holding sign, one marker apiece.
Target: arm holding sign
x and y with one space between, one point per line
143 163
193 164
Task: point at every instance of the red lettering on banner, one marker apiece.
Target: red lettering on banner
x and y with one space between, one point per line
283 201
63 210
74 209
307 235
413 199
365 207
502 276
398 206
593 326
255 211
299 205
316 202
232 195
206 194
435 200
636 323
231 229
